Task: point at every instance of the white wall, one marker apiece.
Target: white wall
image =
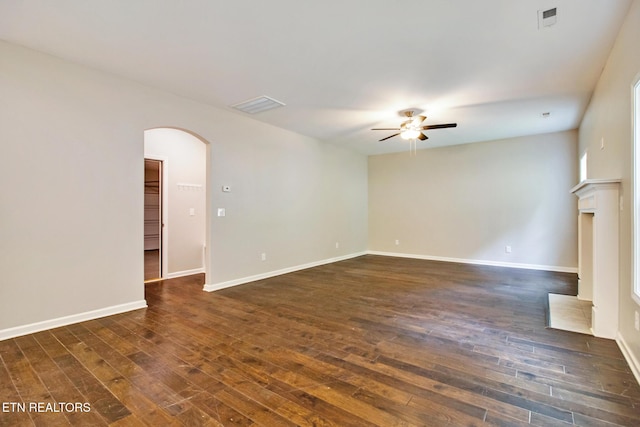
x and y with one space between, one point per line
468 202
311 195
71 223
608 118
185 166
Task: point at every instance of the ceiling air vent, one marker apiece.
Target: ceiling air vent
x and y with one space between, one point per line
258 105
547 18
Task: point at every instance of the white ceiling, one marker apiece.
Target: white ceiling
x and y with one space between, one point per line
343 67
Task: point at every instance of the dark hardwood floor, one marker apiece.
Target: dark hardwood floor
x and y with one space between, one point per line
152 264
371 341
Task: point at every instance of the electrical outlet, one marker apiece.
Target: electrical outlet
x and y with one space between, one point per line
637 321
263 257
397 242
507 249
337 245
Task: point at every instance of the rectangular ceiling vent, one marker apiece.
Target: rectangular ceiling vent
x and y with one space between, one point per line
547 18
258 105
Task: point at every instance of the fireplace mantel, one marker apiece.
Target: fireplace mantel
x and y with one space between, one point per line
598 252
590 185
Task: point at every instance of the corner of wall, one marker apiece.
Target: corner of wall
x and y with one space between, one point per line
632 360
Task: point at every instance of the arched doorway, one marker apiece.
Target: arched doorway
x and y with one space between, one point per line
176 225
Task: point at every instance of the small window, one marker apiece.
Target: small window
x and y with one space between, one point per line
583 166
636 188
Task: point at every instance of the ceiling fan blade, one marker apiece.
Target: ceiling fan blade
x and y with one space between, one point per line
422 137
442 126
418 119
385 129
390 136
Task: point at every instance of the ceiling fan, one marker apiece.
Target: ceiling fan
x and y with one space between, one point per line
412 129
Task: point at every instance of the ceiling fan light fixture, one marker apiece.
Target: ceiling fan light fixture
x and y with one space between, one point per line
410 134
412 129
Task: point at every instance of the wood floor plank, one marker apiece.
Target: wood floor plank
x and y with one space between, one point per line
56 381
370 341
127 392
430 389
9 395
31 389
240 383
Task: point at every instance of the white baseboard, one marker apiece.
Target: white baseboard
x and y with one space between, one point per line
222 285
556 268
184 273
68 320
631 359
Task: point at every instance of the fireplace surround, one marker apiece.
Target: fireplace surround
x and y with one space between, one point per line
598 207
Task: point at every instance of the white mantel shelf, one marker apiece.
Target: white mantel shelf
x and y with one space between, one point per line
593 182
598 207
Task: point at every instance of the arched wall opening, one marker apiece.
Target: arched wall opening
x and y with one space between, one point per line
178 234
